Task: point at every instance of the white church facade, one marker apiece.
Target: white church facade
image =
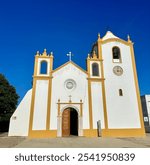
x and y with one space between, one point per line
103 100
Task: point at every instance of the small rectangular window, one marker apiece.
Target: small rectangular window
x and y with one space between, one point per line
120 92
14 118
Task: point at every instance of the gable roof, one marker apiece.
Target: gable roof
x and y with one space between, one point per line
70 62
109 35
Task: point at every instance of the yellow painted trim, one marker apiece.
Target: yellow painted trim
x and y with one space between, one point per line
137 87
58 108
123 133
95 79
51 64
115 40
70 103
103 83
88 67
32 107
43 56
35 66
90 105
43 134
114 133
81 109
82 70
91 59
89 94
104 106
99 41
90 133
42 77
49 104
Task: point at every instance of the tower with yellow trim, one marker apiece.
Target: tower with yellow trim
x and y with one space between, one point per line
103 100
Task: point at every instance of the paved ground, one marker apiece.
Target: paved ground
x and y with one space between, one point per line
74 142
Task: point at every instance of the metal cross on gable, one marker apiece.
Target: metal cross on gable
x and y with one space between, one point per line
69 55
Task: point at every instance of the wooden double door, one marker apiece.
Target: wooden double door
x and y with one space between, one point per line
69 122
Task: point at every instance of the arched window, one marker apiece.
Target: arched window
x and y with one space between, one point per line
120 92
116 54
43 69
95 69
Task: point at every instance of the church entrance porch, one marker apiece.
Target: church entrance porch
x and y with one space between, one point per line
69 119
69 122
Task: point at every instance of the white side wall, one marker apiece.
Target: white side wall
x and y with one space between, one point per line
40 107
97 104
123 110
60 92
19 121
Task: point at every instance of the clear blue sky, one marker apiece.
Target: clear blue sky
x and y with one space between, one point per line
68 25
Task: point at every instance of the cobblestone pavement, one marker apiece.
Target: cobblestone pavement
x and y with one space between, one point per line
74 142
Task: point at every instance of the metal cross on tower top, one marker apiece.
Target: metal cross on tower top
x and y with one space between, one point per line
70 55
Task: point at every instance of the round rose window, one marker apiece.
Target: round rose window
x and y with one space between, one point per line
70 84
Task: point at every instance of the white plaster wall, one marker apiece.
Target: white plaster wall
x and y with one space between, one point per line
97 104
39 66
147 97
122 110
59 91
19 121
40 106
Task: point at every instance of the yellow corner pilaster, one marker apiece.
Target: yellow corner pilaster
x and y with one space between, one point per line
137 88
90 105
103 82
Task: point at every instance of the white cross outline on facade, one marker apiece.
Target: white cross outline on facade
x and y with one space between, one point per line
70 98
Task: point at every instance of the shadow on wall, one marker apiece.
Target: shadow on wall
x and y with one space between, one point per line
147 129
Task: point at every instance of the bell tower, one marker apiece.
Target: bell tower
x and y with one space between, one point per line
43 64
96 87
94 61
41 95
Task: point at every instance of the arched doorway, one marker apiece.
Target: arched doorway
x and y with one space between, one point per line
70 122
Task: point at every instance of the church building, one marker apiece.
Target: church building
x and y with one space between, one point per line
102 100
145 100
